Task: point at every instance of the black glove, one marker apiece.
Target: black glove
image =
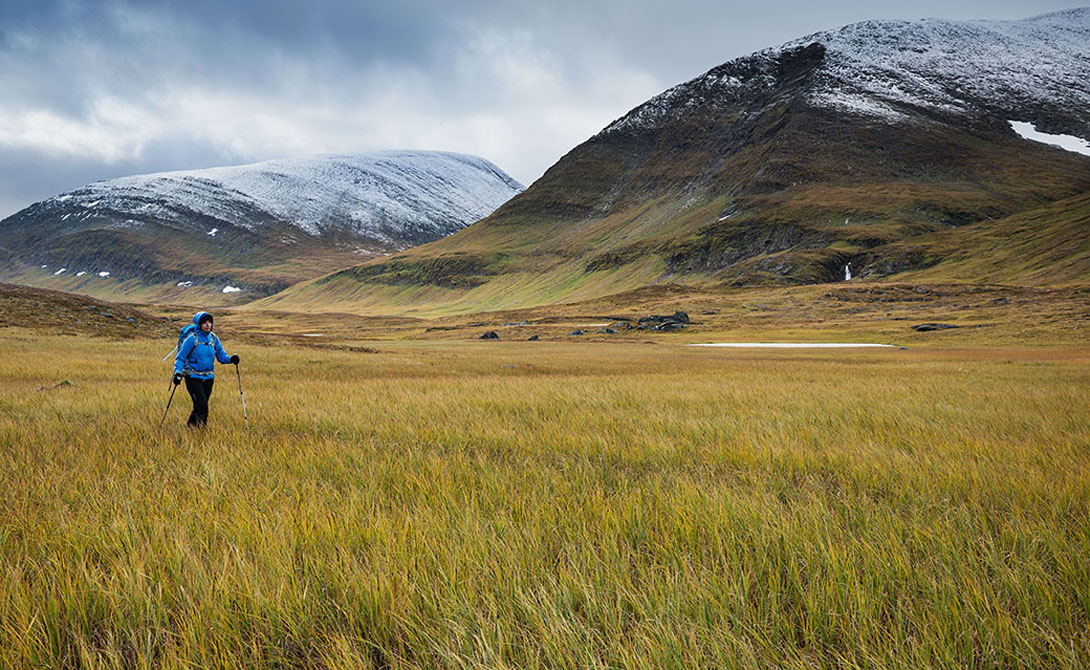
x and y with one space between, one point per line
177 378
234 358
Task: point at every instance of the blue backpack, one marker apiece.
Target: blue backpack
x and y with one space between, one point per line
184 333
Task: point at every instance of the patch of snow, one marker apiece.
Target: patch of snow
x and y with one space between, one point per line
1066 142
185 284
212 233
44 266
93 204
231 289
103 274
311 334
790 345
65 217
59 271
848 272
63 198
127 223
81 273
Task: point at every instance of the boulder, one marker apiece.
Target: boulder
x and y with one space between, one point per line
576 332
679 318
490 335
533 338
668 326
924 327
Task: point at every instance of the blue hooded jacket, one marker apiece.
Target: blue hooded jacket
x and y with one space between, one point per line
199 352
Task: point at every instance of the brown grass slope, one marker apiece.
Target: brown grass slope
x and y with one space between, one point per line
56 312
147 263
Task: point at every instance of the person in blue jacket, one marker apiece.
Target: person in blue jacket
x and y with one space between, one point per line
196 362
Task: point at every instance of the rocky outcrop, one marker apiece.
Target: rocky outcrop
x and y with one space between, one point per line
677 321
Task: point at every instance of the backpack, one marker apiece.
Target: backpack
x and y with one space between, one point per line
184 333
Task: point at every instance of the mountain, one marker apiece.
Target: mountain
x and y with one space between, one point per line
880 148
251 229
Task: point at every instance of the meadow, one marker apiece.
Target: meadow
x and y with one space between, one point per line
462 504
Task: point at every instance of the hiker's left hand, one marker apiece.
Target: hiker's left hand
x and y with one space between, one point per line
234 359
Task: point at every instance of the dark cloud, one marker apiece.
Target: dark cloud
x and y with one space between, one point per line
100 88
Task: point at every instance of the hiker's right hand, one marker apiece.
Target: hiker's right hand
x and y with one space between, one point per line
177 378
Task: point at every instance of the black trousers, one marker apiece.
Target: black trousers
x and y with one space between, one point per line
200 390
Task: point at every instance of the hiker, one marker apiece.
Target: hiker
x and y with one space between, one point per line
196 361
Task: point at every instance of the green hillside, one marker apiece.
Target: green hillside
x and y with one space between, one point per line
785 197
1045 246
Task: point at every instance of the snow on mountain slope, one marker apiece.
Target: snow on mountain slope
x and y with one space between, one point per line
884 69
391 198
951 66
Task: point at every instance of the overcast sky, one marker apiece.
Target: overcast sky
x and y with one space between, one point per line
94 89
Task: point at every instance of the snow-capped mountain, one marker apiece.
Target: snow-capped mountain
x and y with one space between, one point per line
896 70
892 147
394 199
195 226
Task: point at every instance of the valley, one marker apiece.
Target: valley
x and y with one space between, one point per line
475 430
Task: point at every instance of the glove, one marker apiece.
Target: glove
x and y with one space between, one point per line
177 378
234 358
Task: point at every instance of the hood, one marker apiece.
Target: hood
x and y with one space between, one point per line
200 315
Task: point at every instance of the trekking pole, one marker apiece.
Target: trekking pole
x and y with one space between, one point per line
168 406
239 375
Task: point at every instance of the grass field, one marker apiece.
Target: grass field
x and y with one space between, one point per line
556 504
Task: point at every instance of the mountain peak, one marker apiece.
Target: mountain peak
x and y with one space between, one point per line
361 193
958 68
888 70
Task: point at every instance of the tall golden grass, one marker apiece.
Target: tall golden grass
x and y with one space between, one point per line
463 504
